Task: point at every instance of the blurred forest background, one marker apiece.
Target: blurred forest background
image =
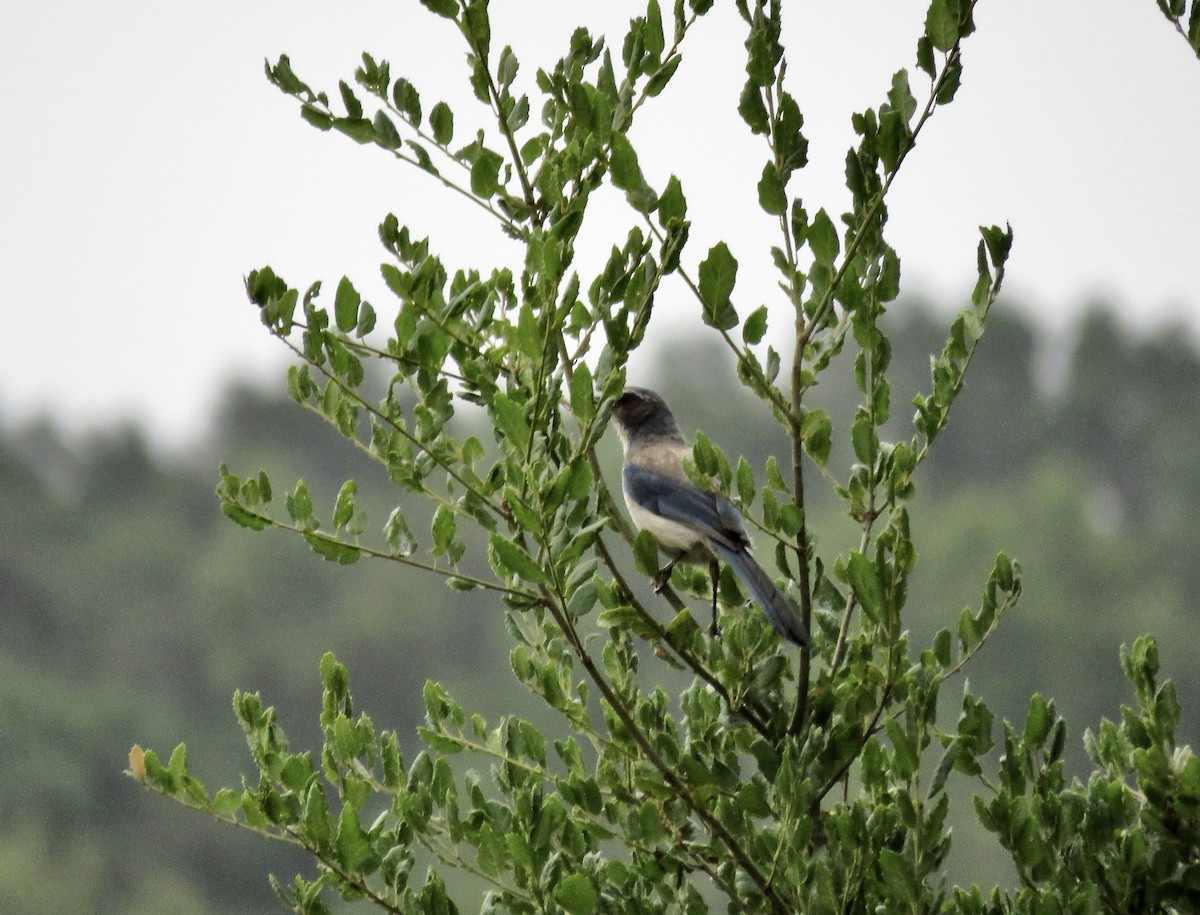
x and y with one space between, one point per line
130 609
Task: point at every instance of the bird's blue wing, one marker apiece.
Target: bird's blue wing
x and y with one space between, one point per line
776 607
714 518
678 500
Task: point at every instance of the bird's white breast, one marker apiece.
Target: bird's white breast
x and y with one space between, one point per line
671 535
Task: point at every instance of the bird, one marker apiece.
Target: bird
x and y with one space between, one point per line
690 524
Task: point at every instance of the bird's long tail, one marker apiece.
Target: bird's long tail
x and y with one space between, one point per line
781 614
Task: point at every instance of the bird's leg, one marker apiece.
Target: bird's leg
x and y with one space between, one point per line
714 571
664 574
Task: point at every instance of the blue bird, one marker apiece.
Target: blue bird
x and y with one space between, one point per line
690 524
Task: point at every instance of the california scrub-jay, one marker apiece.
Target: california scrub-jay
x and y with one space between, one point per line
690 524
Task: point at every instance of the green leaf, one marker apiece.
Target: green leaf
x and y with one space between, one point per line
718 274
950 81
864 437
399 535
941 24
752 109
764 51
925 56
492 855
507 68
626 173
485 173
332 550
296 772
526 335
704 452
299 506
423 159
372 76
344 508
677 236
745 482
823 238
1037 722
315 116
510 420
446 8
510 557
888 286
652 34
577 894
771 194
816 431
472 451
440 705
282 76
345 306
478 26
444 528
968 630
386 134
662 76
226 802
441 119
898 877
903 748
791 146
353 846
583 400
754 328
892 141
353 105
998 242
177 764
645 553
900 96
240 516
941 647
774 477
791 519
672 205
366 320
407 100
863 577
360 130
944 768
517 113
1003 572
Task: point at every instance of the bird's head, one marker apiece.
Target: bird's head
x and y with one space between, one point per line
640 411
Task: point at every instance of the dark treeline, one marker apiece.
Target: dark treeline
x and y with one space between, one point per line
130 609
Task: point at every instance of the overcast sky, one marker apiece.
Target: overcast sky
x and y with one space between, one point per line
147 165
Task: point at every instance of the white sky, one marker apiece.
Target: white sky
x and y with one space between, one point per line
146 165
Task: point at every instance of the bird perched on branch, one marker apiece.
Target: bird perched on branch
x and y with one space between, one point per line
690 524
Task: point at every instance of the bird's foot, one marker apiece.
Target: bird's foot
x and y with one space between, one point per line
663 578
714 571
